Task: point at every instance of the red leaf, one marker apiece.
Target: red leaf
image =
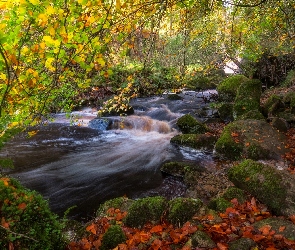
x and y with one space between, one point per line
292 217
156 245
289 242
282 228
156 229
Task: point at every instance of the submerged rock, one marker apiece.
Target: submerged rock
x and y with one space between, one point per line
99 124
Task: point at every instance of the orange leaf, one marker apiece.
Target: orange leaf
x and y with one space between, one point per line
289 242
144 237
265 230
156 229
258 237
91 228
22 206
282 228
4 223
123 247
247 144
97 244
233 134
156 245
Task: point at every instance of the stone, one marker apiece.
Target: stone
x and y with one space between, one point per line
201 239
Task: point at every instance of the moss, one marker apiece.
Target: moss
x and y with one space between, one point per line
252 115
226 146
27 213
219 204
227 89
202 240
289 100
182 209
233 192
121 203
112 237
242 244
189 125
145 210
261 181
203 142
255 151
200 83
290 79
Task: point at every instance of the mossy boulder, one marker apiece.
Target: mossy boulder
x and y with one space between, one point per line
225 112
198 141
202 240
247 98
274 188
187 124
25 212
181 210
200 83
253 139
112 237
121 203
145 210
276 223
242 244
227 89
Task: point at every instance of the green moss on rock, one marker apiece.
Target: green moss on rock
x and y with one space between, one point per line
234 193
219 204
242 244
198 141
112 237
189 125
273 105
121 203
145 210
252 115
225 112
247 98
202 240
261 181
226 145
227 89
181 210
27 213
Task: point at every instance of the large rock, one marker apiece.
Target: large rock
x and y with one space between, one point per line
274 188
253 139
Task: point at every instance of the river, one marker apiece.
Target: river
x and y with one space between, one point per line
72 164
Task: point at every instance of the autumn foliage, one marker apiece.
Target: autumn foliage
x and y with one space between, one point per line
237 222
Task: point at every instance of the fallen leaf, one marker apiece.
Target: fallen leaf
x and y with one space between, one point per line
22 206
91 228
222 246
156 229
282 228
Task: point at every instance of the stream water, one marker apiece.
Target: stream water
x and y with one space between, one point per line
78 165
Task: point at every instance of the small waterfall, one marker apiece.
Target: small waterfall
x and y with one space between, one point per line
141 123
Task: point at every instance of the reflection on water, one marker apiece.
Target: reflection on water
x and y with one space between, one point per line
77 165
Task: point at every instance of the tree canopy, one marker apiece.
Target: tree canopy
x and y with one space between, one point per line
51 50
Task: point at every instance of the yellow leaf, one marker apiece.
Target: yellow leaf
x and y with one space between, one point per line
34 2
101 61
50 10
51 31
32 133
118 5
2 76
